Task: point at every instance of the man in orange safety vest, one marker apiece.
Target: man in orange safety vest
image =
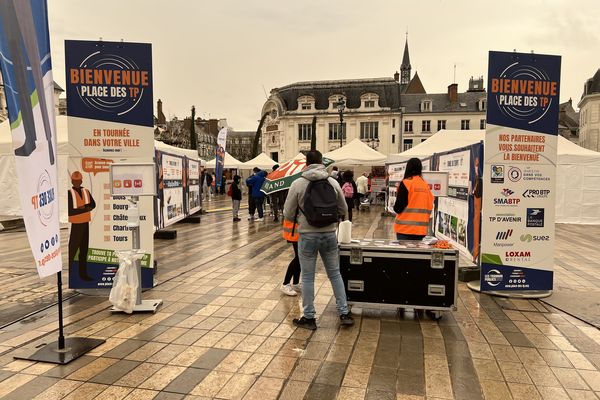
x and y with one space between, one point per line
81 204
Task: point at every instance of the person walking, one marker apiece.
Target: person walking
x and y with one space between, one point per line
256 182
291 282
209 182
251 204
318 202
277 200
362 187
349 190
236 198
414 202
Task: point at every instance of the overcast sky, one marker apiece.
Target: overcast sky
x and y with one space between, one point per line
218 55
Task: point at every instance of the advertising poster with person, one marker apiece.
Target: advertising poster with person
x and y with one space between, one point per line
110 120
519 174
220 157
170 182
29 90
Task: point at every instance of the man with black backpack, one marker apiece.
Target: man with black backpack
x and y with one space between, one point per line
316 202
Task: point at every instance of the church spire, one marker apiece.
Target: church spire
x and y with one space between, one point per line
405 67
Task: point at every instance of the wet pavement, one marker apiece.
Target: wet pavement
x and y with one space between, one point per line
225 332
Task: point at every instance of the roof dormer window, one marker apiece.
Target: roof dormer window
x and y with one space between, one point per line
306 103
426 106
369 100
482 105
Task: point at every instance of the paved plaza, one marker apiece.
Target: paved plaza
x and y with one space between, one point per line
225 330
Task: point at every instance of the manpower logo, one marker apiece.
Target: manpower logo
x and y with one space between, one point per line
504 235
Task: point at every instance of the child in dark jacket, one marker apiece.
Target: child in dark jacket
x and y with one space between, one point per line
236 197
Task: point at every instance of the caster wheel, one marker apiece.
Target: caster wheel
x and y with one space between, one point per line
434 315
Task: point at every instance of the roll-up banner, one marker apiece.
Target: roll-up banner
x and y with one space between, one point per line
29 89
220 158
110 120
193 169
170 192
517 247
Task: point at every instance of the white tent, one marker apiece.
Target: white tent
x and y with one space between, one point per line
261 161
9 200
230 162
577 175
356 153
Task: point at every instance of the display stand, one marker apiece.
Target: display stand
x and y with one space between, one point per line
146 175
62 351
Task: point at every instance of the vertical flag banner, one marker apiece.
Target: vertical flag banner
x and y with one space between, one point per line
110 120
29 87
220 159
517 246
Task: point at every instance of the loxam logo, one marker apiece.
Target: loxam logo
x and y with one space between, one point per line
536 238
504 235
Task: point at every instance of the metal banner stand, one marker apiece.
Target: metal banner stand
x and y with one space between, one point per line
133 223
62 351
147 174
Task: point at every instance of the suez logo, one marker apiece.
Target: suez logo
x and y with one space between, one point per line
536 238
536 193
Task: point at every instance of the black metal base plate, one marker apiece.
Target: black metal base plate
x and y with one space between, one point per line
75 347
192 219
468 274
165 234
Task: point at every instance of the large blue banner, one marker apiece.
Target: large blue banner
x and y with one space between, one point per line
519 174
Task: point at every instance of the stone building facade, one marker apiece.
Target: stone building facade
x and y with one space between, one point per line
589 114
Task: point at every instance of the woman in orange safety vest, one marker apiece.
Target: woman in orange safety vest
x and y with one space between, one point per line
413 205
290 233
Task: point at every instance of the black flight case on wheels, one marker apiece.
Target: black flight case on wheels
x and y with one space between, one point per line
399 274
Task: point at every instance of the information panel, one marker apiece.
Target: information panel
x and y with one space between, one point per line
519 172
110 120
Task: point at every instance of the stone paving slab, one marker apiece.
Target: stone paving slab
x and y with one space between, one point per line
225 332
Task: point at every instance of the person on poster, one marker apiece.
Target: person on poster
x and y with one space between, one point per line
414 202
161 191
81 204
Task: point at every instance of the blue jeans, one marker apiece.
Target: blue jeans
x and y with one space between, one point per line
326 244
259 201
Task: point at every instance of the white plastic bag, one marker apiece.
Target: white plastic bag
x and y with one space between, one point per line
125 283
345 232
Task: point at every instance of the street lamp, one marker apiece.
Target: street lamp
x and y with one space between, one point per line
341 105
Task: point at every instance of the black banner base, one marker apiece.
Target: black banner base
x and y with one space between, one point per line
192 219
75 347
468 274
165 234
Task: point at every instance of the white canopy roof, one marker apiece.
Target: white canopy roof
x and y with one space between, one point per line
577 172
230 162
9 201
356 153
261 161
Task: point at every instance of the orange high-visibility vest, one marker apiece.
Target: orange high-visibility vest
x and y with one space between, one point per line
290 230
414 220
79 201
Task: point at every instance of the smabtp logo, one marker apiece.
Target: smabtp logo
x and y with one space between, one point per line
507 192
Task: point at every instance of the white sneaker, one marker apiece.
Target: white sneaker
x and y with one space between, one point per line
259 219
250 217
298 287
287 290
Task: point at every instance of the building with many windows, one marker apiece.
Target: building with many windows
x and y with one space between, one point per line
589 114
57 102
389 114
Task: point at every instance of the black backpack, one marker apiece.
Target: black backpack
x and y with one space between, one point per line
320 203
